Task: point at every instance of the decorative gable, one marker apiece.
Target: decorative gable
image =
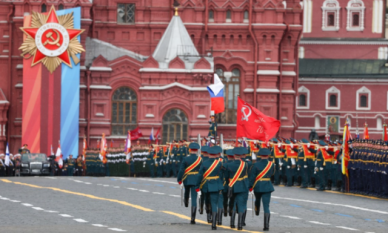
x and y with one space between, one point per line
150 63
227 54
176 63
100 61
202 64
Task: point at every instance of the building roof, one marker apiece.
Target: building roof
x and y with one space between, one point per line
176 41
343 68
110 52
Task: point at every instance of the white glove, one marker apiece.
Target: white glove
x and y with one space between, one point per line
199 193
321 168
292 146
298 169
280 168
335 161
315 169
173 161
251 192
280 164
288 167
308 145
279 145
305 166
181 185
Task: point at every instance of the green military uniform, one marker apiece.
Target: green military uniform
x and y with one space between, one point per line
320 166
209 180
187 176
260 184
213 130
174 161
151 163
204 199
237 179
70 166
159 162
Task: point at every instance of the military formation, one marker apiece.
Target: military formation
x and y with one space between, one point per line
222 178
368 168
223 184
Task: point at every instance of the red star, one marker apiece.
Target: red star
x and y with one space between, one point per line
52 18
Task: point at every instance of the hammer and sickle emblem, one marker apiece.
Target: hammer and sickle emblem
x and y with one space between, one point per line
52 41
246 116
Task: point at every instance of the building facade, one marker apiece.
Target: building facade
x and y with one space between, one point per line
343 68
145 67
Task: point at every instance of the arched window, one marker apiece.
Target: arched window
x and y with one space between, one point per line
330 17
355 17
246 15
356 20
124 111
61 7
175 124
211 15
228 16
302 100
231 80
333 100
43 8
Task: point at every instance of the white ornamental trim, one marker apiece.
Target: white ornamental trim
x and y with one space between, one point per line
328 42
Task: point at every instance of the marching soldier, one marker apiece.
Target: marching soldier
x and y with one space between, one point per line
230 160
204 200
187 176
260 184
237 178
209 180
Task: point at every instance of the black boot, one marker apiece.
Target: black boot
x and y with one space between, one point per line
257 210
240 221
266 221
186 201
219 217
225 210
243 218
209 218
232 218
193 209
214 220
201 203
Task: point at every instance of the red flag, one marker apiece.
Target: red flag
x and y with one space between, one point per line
366 132
136 134
253 124
157 136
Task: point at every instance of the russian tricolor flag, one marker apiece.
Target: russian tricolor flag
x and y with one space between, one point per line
152 138
216 91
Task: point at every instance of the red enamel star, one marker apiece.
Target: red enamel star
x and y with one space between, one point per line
52 39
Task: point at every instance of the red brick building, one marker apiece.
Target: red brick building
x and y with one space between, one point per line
343 67
145 67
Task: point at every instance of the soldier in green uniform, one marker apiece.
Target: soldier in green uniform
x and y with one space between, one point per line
151 161
230 156
159 162
320 165
167 163
204 200
212 128
209 180
70 165
237 178
260 184
249 165
174 161
187 177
